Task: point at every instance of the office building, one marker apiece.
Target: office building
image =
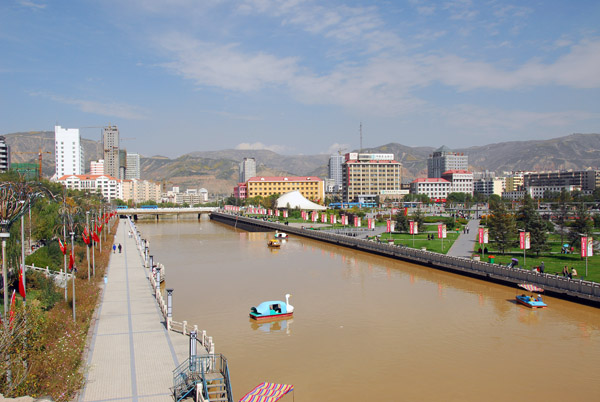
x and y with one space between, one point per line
133 166
4 155
110 146
488 186
444 159
247 169
138 191
336 163
435 188
310 187
68 151
368 176
586 180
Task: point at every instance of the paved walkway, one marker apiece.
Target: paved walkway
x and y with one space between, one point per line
132 355
464 245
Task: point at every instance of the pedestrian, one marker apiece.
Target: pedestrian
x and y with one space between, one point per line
542 267
565 271
114 248
573 272
119 248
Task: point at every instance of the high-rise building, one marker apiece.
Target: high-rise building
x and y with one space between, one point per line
4 155
68 151
110 145
335 171
133 166
444 159
122 164
247 169
368 176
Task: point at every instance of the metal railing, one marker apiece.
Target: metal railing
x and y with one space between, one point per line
59 277
196 370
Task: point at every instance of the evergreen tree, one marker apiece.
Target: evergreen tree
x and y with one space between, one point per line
563 211
582 226
530 220
401 222
502 225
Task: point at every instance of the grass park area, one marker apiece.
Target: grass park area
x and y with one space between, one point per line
554 260
420 240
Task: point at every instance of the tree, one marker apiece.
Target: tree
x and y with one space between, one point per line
563 211
401 222
419 217
530 221
503 229
582 226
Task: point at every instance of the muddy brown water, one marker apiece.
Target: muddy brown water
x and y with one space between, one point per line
367 328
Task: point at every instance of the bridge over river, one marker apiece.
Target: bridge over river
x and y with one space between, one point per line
157 213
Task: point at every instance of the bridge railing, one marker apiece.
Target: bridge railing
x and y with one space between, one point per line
60 278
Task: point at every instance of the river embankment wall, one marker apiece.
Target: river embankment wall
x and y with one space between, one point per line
558 286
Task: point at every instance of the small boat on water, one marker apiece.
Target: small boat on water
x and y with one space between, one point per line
531 301
274 243
270 310
281 235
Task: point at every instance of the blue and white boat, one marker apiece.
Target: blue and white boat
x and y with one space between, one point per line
273 309
531 301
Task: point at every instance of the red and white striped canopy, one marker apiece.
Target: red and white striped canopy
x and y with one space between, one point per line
267 392
531 288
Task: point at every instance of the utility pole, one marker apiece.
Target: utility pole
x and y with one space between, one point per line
87 248
73 271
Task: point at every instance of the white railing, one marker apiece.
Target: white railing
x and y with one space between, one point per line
181 327
59 277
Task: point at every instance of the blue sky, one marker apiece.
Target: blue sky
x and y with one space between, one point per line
299 76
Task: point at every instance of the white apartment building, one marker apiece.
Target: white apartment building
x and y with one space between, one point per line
133 167
108 186
97 167
68 150
110 145
489 186
247 169
444 159
461 181
434 187
138 191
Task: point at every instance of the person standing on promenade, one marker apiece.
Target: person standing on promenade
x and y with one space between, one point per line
542 267
114 248
119 248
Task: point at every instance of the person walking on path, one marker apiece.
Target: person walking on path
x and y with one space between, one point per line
114 248
119 248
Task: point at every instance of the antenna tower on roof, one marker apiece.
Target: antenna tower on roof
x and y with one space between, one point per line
361 137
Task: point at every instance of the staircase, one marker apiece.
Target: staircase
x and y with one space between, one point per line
210 371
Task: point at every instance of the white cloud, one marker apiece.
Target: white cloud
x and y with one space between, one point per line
32 5
260 145
111 109
224 66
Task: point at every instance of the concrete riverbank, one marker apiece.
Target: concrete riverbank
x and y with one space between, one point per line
575 290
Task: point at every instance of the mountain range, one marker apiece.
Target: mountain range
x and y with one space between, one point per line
217 171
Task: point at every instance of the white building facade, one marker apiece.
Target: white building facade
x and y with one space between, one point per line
133 167
68 151
336 165
461 181
108 186
435 188
247 169
97 167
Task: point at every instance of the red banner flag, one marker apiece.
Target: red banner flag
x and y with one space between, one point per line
100 228
85 236
71 260
21 283
95 237
62 246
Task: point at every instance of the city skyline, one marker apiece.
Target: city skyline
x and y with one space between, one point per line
298 77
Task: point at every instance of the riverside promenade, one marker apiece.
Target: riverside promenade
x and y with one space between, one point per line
464 244
131 355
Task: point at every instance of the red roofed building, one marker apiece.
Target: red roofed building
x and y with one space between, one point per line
436 188
461 181
108 186
311 187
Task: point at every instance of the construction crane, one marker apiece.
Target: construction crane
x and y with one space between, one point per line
39 153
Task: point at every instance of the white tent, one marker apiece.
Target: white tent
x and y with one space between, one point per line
294 199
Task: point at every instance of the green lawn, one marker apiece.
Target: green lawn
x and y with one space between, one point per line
420 241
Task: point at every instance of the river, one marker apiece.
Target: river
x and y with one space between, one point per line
368 328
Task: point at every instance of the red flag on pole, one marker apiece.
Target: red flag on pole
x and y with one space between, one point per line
62 247
85 236
21 283
71 260
95 237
